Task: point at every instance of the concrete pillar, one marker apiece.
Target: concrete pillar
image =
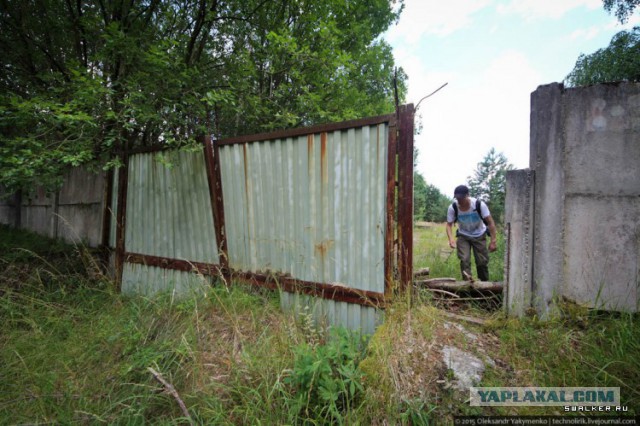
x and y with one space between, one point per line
519 213
547 151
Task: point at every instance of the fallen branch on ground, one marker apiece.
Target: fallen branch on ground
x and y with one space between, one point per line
448 293
450 284
422 272
169 388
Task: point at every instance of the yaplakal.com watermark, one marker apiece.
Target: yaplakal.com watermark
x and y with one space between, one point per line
544 396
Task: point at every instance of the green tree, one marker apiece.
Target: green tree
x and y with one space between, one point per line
429 204
488 182
83 80
620 61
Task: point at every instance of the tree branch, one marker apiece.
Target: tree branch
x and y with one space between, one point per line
169 388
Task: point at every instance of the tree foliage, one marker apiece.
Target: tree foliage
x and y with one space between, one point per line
82 80
623 8
488 182
429 204
620 61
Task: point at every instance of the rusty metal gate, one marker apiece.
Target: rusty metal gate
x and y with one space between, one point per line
323 214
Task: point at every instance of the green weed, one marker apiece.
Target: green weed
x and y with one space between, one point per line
325 379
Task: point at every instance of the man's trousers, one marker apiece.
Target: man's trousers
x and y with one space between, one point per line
479 246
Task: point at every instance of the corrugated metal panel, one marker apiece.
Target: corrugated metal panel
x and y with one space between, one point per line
149 280
327 312
169 213
168 208
312 206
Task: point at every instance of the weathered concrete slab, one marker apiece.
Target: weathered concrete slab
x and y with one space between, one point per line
601 257
82 187
585 152
74 213
80 223
602 141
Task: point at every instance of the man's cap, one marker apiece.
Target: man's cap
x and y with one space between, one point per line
460 191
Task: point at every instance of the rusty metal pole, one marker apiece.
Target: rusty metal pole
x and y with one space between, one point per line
107 211
405 196
390 258
121 216
214 178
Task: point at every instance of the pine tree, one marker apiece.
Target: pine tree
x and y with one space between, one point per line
488 182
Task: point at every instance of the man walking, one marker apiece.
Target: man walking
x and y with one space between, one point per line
474 219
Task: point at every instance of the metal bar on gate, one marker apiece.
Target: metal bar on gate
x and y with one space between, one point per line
332 291
173 264
405 196
303 131
389 241
121 216
106 217
214 179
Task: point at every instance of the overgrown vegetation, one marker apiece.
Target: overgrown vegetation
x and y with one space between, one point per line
74 351
81 81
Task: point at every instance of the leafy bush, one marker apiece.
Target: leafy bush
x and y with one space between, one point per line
326 380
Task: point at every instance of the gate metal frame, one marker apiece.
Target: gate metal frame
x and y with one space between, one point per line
398 243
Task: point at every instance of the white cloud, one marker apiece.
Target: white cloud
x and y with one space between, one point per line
605 30
487 101
435 17
586 33
555 9
474 114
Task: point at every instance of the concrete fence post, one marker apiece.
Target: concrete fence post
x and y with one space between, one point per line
519 226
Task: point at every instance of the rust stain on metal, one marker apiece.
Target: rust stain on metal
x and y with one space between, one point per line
310 154
377 147
246 171
323 247
324 168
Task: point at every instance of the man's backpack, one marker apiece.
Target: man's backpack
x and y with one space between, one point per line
478 204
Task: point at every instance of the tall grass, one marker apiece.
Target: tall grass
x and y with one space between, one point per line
431 249
72 350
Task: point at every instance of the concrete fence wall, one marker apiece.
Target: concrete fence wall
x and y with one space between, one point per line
574 216
74 213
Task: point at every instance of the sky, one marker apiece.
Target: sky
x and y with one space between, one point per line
492 54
